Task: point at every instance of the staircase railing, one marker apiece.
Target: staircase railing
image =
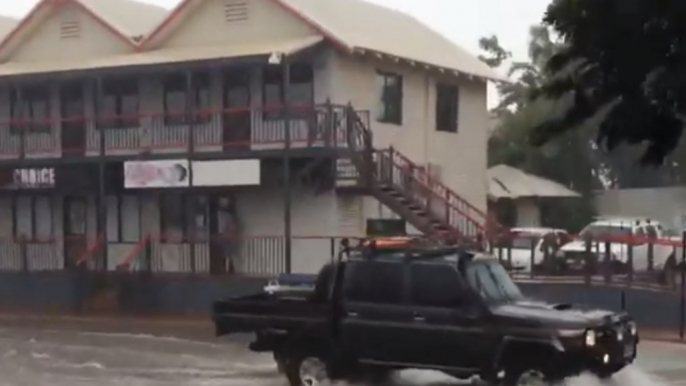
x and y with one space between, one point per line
391 167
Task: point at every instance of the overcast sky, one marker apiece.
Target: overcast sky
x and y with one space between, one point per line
463 21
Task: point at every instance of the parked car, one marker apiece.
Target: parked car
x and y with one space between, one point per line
420 306
624 234
522 244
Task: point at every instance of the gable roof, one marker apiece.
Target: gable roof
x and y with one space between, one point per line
507 182
6 25
126 19
133 18
358 26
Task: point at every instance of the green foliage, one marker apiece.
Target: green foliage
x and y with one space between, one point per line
622 63
568 159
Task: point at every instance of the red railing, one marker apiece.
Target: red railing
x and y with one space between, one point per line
415 183
200 130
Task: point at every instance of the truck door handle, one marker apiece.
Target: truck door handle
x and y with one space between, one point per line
418 318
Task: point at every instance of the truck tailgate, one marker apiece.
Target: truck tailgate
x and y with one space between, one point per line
267 312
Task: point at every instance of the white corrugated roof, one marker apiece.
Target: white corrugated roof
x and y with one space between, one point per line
287 46
363 25
507 182
7 24
130 17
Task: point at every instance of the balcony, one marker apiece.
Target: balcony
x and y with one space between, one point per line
219 131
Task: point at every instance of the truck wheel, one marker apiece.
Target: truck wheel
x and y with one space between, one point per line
305 371
529 377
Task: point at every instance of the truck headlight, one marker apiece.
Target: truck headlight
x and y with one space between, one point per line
633 328
590 338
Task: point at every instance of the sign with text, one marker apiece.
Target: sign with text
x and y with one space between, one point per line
156 174
34 178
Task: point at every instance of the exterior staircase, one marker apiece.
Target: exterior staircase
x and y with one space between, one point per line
410 191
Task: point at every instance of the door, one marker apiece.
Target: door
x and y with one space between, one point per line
449 328
73 122
223 235
377 318
75 229
237 114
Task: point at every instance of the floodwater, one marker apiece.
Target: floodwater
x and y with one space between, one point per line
38 356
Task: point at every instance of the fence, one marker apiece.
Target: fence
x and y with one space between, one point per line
163 275
610 258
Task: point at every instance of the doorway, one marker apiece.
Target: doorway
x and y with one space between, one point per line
75 229
237 117
73 123
224 234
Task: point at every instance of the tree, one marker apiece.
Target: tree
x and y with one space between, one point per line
623 63
567 159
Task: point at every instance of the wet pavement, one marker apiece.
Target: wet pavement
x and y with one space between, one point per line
41 356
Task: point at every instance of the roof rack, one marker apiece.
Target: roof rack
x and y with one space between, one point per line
408 248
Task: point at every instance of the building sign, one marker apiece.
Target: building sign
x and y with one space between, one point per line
34 178
156 174
226 173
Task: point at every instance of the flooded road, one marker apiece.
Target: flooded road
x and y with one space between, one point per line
37 357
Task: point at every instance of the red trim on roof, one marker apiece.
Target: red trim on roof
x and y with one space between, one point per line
103 22
45 3
174 14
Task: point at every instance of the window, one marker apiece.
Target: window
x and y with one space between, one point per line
300 92
184 217
175 101
197 214
434 285
447 107
201 98
33 220
123 219
119 103
375 282
390 108
30 109
171 217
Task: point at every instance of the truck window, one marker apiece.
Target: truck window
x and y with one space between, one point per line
433 285
374 282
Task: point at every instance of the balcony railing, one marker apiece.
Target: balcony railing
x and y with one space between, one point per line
208 130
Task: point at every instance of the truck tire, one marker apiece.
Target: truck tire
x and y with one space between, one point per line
526 377
301 370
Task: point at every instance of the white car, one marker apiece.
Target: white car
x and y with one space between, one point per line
624 233
521 246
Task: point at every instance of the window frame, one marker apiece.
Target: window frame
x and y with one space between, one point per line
30 96
119 212
451 123
119 89
187 218
383 115
273 76
350 274
201 82
461 286
32 238
171 84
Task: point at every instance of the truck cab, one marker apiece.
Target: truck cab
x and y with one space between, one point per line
441 308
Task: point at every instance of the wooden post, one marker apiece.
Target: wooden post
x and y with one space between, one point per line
286 68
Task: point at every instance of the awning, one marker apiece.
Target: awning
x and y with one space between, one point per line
164 56
508 182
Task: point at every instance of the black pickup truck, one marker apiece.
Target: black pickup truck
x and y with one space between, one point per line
439 308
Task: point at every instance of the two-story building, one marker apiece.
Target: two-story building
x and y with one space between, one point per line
208 134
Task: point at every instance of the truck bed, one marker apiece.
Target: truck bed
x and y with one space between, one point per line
265 311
